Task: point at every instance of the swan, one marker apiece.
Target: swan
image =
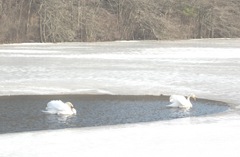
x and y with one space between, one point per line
59 107
181 101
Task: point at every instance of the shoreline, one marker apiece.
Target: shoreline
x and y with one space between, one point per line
110 41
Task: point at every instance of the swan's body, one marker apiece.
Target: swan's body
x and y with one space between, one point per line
59 107
181 101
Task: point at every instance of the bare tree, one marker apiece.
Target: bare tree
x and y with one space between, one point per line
55 21
28 17
101 20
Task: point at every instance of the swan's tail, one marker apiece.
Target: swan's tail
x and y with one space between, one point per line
49 112
173 105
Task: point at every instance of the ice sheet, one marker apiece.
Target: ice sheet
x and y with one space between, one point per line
208 68
182 137
144 68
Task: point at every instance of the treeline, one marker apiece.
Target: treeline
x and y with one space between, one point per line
104 20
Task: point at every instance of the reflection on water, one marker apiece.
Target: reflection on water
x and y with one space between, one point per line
176 113
60 121
23 113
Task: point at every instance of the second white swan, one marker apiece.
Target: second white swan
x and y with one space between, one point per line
181 101
59 107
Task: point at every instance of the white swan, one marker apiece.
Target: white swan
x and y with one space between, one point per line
59 107
181 101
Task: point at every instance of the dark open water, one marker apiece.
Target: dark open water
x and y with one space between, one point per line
23 113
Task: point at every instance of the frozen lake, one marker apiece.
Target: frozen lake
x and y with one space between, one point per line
208 68
125 68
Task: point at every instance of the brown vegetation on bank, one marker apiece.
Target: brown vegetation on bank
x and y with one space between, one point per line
104 20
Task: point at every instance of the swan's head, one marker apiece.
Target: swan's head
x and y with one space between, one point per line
193 96
72 107
69 104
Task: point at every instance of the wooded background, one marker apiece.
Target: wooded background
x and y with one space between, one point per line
107 20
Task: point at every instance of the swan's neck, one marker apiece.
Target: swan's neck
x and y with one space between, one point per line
188 98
